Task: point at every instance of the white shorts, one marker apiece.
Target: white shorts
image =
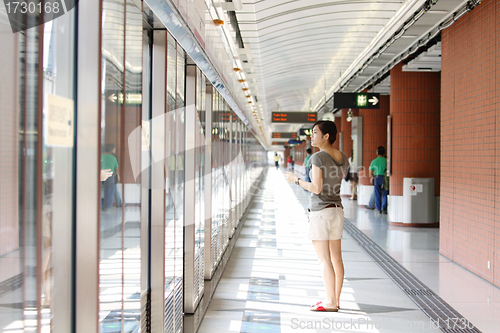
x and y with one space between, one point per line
326 224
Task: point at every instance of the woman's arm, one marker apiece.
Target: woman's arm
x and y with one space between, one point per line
315 186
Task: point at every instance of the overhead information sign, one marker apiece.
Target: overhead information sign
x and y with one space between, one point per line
284 135
277 143
294 117
356 101
221 116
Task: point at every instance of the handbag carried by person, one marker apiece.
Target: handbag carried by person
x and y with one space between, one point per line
348 174
385 186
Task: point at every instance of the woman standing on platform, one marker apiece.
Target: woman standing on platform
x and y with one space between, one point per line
326 215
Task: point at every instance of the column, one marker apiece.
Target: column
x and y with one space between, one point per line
338 123
415 110
346 129
374 135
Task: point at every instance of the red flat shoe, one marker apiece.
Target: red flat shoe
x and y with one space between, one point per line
321 308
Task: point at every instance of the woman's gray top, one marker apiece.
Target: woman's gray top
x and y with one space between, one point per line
333 173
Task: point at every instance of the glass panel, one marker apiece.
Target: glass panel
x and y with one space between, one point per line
130 200
58 167
112 219
12 190
226 155
179 139
170 168
28 185
216 177
199 176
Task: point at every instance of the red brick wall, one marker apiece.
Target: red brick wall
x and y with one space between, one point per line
346 130
338 123
299 153
9 143
470 147
415 110
374 135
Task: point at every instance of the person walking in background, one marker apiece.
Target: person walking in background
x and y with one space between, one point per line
326 215
371 203
109 162
289 162
307 165
377 171
276 160
353 177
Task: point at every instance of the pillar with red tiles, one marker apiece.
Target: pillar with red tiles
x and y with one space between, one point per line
415 110
338 123
346 130
374 135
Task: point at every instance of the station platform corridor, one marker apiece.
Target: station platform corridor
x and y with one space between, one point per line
395 278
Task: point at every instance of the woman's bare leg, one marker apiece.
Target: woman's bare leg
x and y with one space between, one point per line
353 189
323 252
338 266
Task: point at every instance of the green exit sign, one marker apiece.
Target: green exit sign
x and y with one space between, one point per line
356 101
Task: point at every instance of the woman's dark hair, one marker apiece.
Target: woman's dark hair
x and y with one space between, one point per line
309 150
327 126
381 151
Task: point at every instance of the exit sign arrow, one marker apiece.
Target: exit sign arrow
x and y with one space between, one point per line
373 100
343 100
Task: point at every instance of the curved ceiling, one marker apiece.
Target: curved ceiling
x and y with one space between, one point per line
302 49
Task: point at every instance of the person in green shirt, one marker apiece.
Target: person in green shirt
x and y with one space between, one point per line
109 162
377 171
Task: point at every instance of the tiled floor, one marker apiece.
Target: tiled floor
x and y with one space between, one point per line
272 276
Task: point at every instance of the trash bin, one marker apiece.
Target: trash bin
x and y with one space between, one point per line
419 203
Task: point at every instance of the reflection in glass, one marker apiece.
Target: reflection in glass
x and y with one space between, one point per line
111 217
199 179
170 166
129 188
121 105
179 196
57 172
12 192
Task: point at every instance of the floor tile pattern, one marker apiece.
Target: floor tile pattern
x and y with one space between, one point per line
273 277
431 304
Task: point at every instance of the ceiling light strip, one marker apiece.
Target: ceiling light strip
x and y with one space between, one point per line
169 16
376 41
399 33
446 23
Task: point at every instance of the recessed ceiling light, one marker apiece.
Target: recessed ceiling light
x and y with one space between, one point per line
437 12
